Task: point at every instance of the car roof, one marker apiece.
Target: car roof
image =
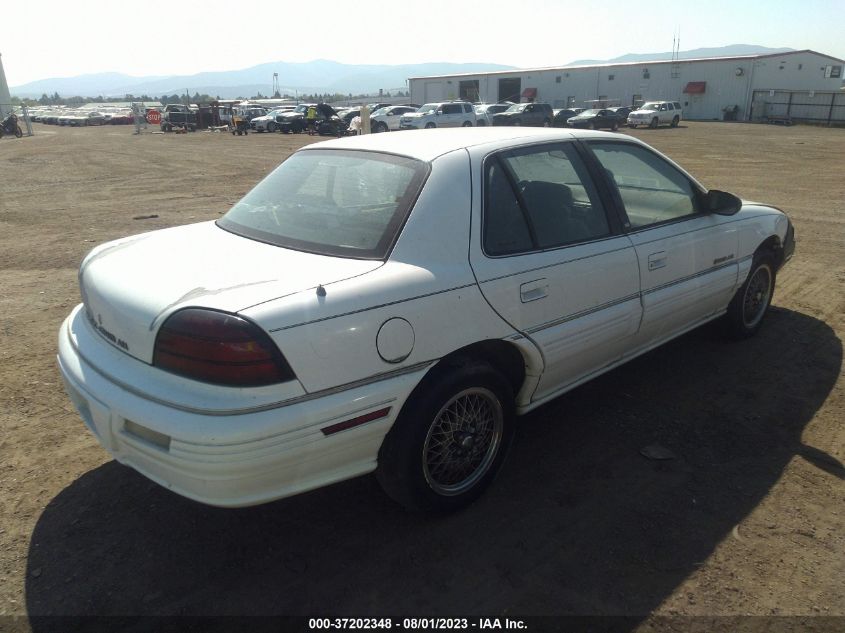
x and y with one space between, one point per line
426 145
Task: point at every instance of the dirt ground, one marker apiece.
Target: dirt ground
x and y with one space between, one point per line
747 519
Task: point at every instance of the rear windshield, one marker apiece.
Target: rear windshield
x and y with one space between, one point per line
332 202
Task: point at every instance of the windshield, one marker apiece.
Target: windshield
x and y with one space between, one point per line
516 107
379 112
649 106
590 112
331 202
428 107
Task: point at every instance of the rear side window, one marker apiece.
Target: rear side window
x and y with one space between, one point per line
540 198
467 107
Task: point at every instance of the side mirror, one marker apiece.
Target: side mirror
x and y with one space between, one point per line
722 202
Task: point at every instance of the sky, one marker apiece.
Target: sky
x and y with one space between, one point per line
183 37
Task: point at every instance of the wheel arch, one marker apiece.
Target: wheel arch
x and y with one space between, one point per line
774 247
517 364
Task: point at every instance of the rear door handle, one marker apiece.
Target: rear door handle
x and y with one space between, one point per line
657 260
533 290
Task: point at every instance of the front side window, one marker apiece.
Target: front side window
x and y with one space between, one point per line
539 198
652 190
331 202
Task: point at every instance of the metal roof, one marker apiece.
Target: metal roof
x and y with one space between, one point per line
635 63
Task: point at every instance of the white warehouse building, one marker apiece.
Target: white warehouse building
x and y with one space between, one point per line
752 86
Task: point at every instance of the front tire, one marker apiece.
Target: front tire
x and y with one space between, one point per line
654 123
466 124
751 302
430 126
450 439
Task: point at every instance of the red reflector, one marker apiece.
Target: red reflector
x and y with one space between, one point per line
361 419
219 348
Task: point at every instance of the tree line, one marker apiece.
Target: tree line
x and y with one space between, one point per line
56 99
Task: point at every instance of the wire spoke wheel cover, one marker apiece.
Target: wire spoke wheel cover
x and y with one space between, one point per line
463 441
757 295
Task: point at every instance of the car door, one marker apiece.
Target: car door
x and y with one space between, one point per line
687 258
551 260
454 115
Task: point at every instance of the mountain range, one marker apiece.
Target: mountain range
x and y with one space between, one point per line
319 76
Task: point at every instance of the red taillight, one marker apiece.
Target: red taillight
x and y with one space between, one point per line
220 348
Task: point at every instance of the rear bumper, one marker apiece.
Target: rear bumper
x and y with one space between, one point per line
233 459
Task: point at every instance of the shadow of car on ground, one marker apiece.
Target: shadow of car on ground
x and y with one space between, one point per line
578 522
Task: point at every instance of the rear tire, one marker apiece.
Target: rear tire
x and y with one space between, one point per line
751 302
675 121
450 439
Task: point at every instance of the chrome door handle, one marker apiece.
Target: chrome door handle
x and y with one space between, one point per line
533 290
657 260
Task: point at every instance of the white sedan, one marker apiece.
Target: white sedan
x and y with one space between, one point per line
387 119
391 302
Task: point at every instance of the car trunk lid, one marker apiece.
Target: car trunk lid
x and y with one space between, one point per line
131 286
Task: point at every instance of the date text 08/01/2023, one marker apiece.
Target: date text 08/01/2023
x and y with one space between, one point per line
411 624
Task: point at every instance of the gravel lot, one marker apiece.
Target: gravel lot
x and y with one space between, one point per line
747 519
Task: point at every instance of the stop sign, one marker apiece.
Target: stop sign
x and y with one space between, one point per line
154 117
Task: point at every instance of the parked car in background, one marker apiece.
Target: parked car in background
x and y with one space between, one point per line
655 113
293 121
595 119
267 122
622 112
388 118
484 112
372 107
347 114
562 116
441 114
177 115
533 114
89 118
391 302
122 117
